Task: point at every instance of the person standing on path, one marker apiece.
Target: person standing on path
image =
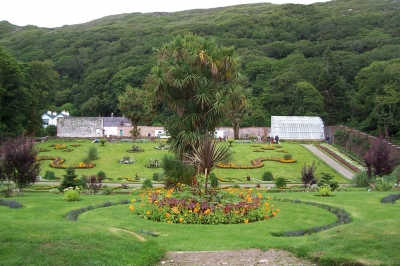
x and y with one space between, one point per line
276 139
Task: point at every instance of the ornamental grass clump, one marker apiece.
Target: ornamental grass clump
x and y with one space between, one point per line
230 206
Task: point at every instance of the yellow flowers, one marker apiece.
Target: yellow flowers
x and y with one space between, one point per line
148 212
180 219
134 200
246 221
175 210
132 208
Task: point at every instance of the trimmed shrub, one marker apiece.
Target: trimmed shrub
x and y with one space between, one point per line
49 175
287 156
147 183
361 179
156 176
268 176
101 175
92 153
280 182
213 180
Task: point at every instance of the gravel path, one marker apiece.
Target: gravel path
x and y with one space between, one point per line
334 164
245 257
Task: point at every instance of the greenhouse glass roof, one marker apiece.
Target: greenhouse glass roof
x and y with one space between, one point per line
297 127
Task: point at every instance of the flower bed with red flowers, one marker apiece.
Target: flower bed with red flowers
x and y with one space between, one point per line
338 158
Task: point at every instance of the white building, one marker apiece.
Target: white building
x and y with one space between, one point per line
297 127
50 118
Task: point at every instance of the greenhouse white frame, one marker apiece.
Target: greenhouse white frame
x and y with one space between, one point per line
297 127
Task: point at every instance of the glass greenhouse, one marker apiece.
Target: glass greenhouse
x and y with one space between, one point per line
297 127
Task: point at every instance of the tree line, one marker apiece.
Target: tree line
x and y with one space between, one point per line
338 60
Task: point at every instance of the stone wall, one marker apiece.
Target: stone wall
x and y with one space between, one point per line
80 127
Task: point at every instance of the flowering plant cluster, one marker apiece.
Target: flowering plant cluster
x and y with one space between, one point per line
228 206
256 163
58 162
60 146
72 194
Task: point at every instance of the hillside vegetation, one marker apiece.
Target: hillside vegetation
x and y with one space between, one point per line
338 60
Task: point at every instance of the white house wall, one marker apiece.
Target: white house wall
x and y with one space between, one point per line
110 131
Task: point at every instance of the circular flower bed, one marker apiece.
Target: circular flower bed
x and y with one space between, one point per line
135 148
229 206
127 160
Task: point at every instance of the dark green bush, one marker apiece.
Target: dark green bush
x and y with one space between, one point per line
147 183
92 153
280 182
101 175
214 180
361 179
49 175
156 176
268 176
176 171
326 179
287 156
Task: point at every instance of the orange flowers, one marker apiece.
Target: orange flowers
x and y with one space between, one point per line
167 215
132 208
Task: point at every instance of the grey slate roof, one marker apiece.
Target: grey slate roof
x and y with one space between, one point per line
114 121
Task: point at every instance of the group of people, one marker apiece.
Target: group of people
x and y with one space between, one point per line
271 140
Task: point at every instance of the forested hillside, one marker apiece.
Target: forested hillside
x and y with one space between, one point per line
339 60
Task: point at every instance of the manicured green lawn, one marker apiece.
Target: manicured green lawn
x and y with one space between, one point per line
243 154
38 234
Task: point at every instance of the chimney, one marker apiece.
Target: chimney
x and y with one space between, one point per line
48 112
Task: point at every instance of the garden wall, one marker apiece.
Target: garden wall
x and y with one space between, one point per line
80 127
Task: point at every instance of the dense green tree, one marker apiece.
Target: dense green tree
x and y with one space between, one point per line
13 95
332 85
42 81
308 101
136 105
377 99
193 76
237 107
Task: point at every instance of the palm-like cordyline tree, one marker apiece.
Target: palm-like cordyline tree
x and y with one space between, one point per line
193 77
207 154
